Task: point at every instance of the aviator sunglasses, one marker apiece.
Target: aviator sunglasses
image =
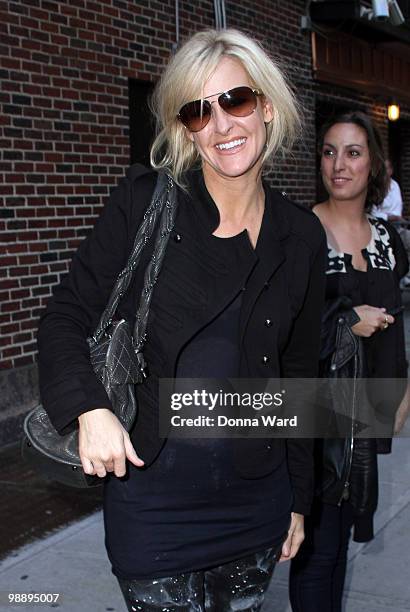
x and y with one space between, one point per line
238 102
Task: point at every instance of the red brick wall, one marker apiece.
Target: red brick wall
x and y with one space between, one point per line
64 69
64 134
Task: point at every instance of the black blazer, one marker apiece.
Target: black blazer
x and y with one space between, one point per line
283 292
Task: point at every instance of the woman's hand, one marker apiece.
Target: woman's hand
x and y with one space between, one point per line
402 412
104 444
372 319
296 535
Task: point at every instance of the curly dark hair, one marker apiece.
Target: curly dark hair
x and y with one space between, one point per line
378 184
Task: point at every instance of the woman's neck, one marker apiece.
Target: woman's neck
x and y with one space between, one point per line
237 198
347 212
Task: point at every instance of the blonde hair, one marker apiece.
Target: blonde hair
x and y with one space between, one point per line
183 81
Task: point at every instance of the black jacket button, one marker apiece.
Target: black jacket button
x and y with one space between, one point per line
265 359
177 237
268 323
266 286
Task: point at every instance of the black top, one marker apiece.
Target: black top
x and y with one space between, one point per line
379 286
190 508
362 280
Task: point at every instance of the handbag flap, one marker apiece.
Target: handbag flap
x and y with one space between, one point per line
115 356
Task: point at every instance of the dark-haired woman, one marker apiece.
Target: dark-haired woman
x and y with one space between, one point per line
366 260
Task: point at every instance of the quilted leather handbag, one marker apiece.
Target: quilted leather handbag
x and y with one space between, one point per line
116 353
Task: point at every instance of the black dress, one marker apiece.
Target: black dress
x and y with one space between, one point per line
191 509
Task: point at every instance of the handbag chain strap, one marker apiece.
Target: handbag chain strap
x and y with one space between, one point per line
163 201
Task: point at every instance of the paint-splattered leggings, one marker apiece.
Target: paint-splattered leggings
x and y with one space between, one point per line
238 585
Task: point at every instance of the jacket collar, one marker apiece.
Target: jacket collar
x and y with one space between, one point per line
205 207
274 230
269 253
274 217
241 266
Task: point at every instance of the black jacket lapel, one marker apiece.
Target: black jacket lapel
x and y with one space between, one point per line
270 253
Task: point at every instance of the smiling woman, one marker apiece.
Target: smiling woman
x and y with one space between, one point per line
346 161
363 311
186 80
198 524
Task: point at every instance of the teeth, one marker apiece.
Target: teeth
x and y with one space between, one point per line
231 145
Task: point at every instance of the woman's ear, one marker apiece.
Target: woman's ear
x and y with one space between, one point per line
188 134
267 108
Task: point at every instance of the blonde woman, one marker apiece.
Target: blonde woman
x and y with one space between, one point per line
199 524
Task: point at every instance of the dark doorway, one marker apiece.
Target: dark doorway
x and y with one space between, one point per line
141 121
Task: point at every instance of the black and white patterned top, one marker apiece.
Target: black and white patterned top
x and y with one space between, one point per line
378 253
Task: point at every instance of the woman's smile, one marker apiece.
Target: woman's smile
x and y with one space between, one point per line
231 146
340 180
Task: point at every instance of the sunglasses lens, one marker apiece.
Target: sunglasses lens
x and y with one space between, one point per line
195 115
239 102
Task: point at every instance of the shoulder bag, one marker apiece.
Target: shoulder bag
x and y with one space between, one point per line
116 354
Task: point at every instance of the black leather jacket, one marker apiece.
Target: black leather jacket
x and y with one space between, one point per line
346 467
